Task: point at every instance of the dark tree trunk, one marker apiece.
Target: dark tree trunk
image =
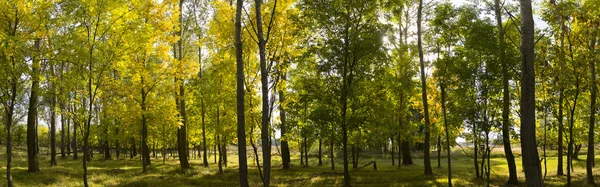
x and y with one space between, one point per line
305 152
510 159
531 164
204 148
590 150
285 150
75 124
117 146
220 156
331 147
392 146
241 126
182 143
53 122
439 151
475 155
406 156
264 80
32 153
320 152
446 129
106 150
68 133
62 134
426 153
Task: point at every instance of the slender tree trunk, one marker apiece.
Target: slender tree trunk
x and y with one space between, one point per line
9 122
62 134
241 126
439 151
305 152
406 156
285 150
426 153
220 156
144 145
561 130
320 153
571 141
590 151
331 147
446 129
264 79
204 148
392 151
32 153
118 148
68 133
475 155
510 159
531 163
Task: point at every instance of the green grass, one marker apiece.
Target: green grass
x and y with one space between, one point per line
128 172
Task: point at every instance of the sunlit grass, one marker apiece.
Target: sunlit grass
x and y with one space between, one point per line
128 172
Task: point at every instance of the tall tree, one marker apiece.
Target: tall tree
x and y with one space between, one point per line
531 164
241 127
32 157
510 158
426 150
182 143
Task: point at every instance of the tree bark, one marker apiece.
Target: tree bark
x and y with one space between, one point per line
406 156
241 126
531 163
446 129
264 80
182 143
426 153
590 150
285 150
32 153
510 158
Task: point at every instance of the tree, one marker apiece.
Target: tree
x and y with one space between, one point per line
426 152
241 129
510 158
182 144
531 163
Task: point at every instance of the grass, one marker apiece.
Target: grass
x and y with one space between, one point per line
128 172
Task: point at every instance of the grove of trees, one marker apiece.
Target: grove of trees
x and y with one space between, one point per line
343 79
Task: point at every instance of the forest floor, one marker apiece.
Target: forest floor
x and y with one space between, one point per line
128 172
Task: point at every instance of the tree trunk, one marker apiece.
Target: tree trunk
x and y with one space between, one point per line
118 148
510 159
106 150
220 156
9 121
392 146
32 153
320 153
264 80
285 150
426 153
305 152
204 148
241 126
53 122
439 151
475 155
331 147
531 163
570 153
182 143
446 129
62 134
406 156
590 150
68 133
75 124
559 170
